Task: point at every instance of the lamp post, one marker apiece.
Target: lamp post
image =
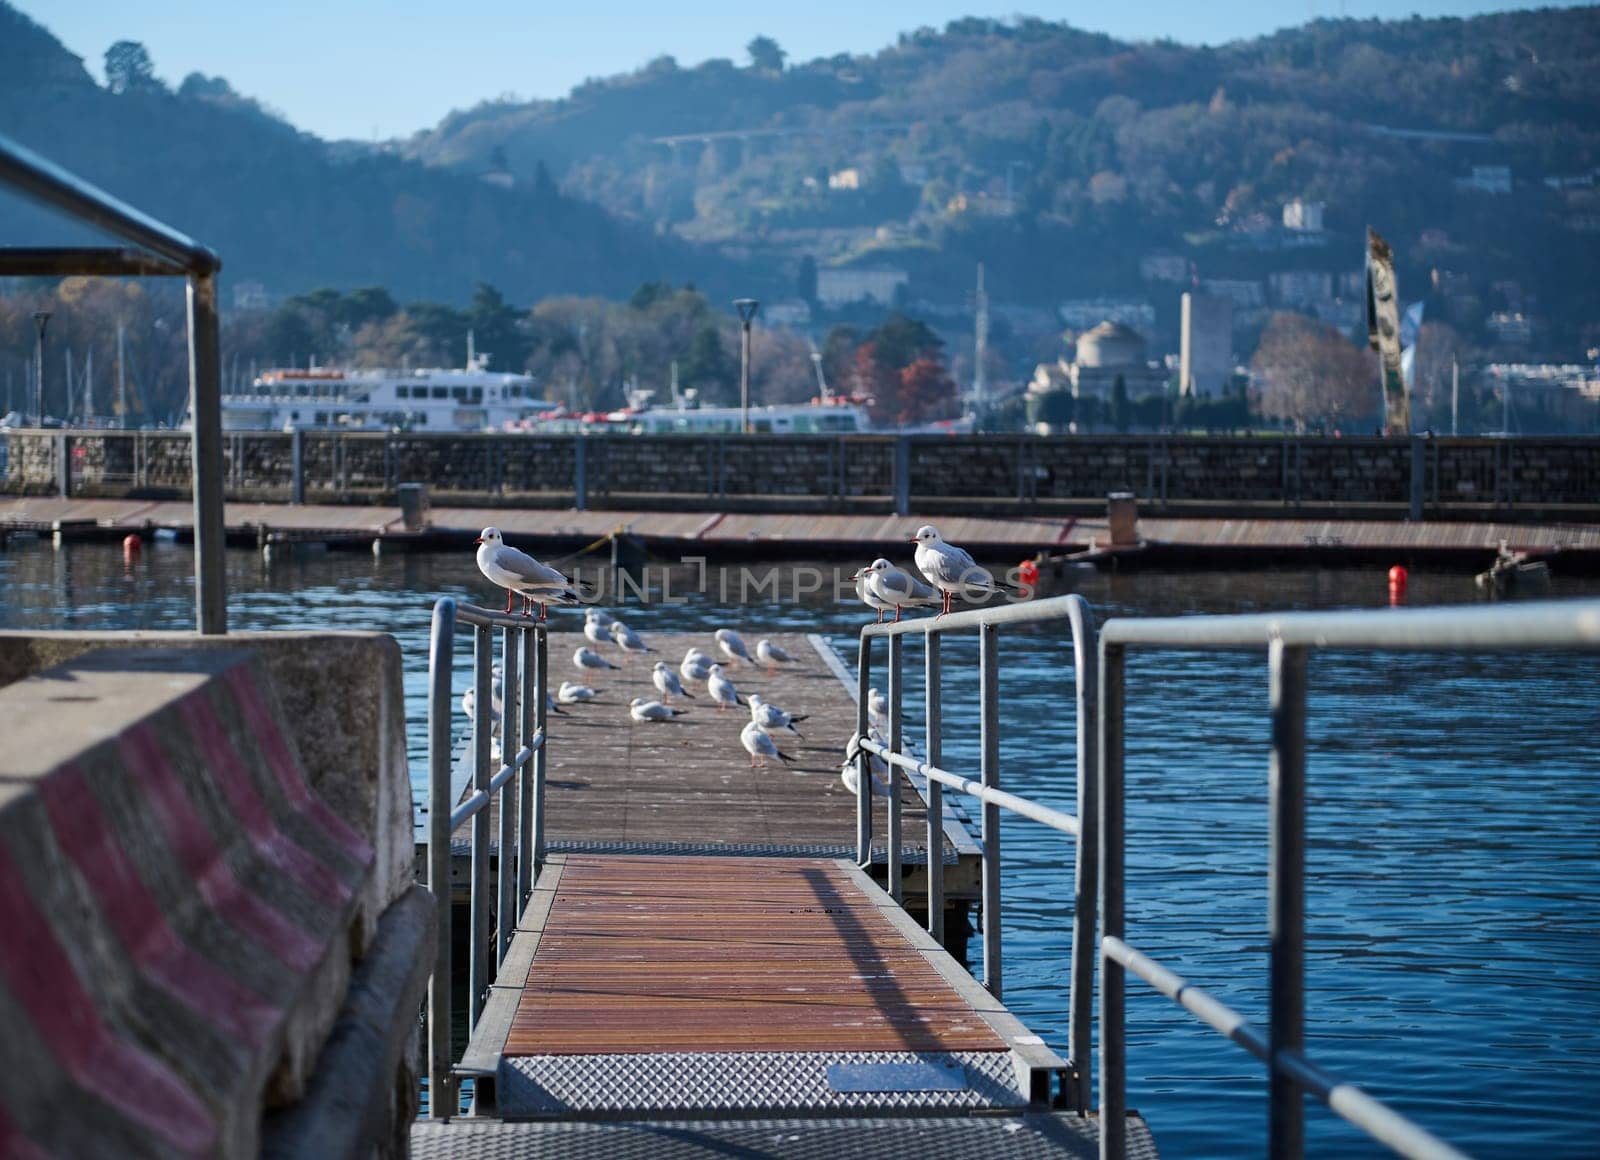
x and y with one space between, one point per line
40 320
747 308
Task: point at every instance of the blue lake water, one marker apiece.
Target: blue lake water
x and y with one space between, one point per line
1454 812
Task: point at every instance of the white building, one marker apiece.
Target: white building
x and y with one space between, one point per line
1083 313
1205 355
842 286
1163 267
1305 216
1243 293
1487 179
1301 287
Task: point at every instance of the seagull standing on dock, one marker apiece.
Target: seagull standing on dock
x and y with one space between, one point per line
772 655
595 629
628 640
587 658
951 569
643 709
769 716
896 588
732 646
667 683
519 573
723 691
760 746
696 665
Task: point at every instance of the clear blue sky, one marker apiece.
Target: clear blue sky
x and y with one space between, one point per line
345 68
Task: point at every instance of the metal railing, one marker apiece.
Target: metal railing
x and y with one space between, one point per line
160 251
1288 640
988 621
519 847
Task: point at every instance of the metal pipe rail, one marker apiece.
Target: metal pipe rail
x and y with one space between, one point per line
1080 620
168 253
1287 640
521 845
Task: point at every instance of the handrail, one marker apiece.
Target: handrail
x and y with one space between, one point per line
524 680
1288 640
1080 619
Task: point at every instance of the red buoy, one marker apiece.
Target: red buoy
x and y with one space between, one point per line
132 545
1398 577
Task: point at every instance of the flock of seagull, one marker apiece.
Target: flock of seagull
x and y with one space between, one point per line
947 572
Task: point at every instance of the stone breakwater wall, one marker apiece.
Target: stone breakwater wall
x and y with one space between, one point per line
1448 477
210 944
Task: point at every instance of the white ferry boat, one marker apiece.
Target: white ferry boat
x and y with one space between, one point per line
430 399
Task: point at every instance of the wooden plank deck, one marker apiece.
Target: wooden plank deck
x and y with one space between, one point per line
653 954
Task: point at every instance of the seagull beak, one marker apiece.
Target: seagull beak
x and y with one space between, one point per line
853 576
478 540
912 540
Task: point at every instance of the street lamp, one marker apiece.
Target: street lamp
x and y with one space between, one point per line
747 308
40 320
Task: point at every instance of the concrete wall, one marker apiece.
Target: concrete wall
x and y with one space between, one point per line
1195 474
192 929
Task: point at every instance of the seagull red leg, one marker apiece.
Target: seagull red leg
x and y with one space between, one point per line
510 596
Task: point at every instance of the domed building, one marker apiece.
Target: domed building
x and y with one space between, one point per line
1102 355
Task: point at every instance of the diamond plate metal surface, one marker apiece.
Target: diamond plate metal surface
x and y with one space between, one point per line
1024 1137
749 1083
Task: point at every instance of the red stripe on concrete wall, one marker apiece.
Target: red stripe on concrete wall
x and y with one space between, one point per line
311 873
83 832
202 860
287 769
128 1078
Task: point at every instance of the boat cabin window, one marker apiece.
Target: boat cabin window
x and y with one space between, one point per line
475 394
402 392
441 392
762 426
322 418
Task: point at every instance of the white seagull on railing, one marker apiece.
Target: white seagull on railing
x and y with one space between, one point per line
896 588
643 709
732 645
849 772
772 655
520 574
760 746
667 683
769 716
951 569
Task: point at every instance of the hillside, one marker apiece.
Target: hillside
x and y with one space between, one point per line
1073 164
292 212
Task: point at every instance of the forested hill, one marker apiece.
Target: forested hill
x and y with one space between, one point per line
293 212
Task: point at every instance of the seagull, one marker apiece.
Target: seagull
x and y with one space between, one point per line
877 708
572 694
774 655
596 629
732 645
469 706
850 770
865 593
722 690
696 665
667 683
769 716
587 658
759 746
518 572
951 569
628 640
895 588
641 709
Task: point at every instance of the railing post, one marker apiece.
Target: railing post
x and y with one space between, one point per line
1113 1042
205 448
580 473
297 460
1419 477
541 700
863 758
902 475
482 726
510 745
893 835
441 1102
527 729
63 458
933 749
1080 1026
1286 925
989 774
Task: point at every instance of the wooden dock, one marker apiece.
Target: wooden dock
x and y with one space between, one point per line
686 787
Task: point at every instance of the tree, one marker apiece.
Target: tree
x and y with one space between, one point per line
926 393
765 54
805 282
709 368
1310 373
128 68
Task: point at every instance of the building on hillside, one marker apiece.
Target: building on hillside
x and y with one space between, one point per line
1486 179
1509 328
792 312
1244 293
251 296
1205 355
1164 268
1303 216
1300 288
1103 354
1565 397
840 286
845 179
